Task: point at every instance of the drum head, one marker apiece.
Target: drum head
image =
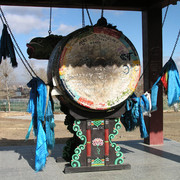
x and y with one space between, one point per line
99 68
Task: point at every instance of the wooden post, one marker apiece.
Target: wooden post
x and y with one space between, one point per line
152 64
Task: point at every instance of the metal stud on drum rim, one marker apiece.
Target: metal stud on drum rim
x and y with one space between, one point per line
99 68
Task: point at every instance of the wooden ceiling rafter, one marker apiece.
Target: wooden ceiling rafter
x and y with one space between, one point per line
134 5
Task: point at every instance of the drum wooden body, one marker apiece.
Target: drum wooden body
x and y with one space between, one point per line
96 68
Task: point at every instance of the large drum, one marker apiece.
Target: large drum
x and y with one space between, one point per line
95 68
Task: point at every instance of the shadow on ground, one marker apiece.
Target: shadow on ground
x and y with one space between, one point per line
155 150
22 142
26 149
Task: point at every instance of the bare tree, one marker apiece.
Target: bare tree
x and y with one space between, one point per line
6 77
42 73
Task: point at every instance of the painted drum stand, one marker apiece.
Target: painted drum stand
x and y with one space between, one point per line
96 150
94 70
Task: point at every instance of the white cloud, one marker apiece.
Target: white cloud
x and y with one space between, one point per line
23 20
64 29
25 24
23 10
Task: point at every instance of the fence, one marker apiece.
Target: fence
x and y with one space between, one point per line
21 105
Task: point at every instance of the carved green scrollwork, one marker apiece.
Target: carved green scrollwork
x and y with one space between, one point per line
75 158
119 154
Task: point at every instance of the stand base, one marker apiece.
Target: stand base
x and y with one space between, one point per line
60 160
68 169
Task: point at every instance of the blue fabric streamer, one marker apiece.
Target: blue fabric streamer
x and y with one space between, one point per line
154 89
142 125
145 104
154 94
29 130
141 122
6 47
173 84
50 126
32 105
41 148
130 118
133 116
37 106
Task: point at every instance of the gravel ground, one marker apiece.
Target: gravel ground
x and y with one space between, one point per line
14 126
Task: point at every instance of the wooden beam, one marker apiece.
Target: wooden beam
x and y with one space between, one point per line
133 5
152 62
91 4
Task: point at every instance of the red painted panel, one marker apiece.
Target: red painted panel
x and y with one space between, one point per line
88 135
106 138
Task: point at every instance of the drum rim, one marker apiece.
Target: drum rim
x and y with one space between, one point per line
61 86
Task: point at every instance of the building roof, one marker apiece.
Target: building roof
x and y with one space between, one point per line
134 5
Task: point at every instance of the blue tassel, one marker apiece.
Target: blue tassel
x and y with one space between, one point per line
50 126
6 47
145 104
29 130
154 95
41 148
173 84
36 106
133 116
142 125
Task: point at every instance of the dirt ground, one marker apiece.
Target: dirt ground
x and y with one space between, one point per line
13 131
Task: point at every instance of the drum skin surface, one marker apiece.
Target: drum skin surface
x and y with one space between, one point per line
98 68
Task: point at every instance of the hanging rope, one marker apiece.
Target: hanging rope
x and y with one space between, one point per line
102 11
84 5
165 14
50 17
89 17
25 60
175 43
2 19
83 18
144 71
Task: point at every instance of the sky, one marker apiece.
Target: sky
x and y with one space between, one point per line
29 22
